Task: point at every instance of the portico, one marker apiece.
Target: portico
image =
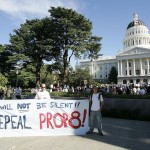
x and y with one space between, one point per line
134 59
134 69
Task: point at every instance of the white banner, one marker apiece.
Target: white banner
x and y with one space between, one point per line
43 117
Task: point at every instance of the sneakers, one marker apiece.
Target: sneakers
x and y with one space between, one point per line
89 132
101 133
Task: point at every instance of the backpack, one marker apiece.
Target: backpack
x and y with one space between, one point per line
92 95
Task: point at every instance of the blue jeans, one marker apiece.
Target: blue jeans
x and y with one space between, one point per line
97 115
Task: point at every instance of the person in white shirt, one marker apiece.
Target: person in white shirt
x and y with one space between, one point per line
17 92
142 91
95 112
43 93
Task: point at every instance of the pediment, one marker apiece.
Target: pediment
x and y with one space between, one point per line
135 51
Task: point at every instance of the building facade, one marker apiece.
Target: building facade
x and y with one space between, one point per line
132 62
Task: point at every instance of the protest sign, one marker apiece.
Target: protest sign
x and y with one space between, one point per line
43 117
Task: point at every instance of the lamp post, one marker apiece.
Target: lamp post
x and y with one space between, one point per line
17 77
92 67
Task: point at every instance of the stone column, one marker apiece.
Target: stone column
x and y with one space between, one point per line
147 66
134 67
121 67
127 67
141 67
134 81
118 68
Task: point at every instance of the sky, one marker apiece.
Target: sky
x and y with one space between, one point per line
109 18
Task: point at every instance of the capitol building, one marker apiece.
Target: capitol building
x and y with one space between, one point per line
132 62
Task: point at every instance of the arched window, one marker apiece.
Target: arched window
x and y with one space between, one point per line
124 81
131 81
137 81
145 80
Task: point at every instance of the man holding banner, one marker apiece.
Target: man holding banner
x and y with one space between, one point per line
43 93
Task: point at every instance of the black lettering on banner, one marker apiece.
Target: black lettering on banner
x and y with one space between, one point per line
13 122
41 105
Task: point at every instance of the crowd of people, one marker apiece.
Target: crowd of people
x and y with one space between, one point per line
16 93
10 93
130 89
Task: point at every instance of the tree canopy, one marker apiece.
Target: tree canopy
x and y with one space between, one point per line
54 39
72 35
32 44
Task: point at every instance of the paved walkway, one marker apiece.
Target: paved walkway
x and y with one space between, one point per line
119 134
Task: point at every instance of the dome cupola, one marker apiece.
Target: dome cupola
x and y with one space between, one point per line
136 34
135 22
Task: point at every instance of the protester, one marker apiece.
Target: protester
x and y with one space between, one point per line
8 93
17 92
1 94
95 112
88 89
43 93
142 91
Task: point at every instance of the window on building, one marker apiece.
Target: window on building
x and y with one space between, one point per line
125 64
129 64
131 81
137 72
137 81
136 42
124 81
145 71
130 73
145 80
126 72
145 63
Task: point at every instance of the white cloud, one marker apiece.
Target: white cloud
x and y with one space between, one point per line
20 10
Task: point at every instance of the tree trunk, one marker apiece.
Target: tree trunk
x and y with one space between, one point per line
38 77
65 66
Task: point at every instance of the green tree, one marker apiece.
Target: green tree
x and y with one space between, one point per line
78 76
47 75
32 44
112 77
56 38
4 57
3 80
72 35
